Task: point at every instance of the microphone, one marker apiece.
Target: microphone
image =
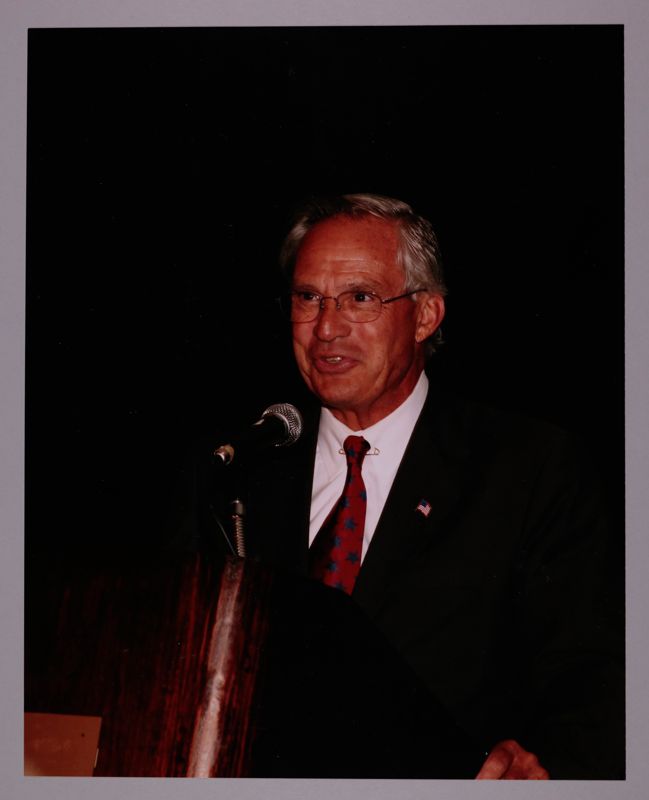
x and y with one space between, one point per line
280 425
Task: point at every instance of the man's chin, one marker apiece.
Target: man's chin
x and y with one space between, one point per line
336 400
332 389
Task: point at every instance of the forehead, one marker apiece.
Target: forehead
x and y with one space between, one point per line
347 248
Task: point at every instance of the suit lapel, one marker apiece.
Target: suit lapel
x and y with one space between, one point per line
430 471
282 500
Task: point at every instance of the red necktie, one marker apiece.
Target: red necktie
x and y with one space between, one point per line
335 555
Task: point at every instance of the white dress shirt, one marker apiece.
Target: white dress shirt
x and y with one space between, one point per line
388 440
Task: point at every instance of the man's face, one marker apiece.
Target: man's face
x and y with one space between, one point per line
360 370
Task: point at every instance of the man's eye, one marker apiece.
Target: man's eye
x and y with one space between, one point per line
362 297
307 297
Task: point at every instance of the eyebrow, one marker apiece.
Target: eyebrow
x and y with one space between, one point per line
372 286
354 286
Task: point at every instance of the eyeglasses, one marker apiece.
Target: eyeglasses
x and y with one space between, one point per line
355 305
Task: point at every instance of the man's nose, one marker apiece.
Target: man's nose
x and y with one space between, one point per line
330 323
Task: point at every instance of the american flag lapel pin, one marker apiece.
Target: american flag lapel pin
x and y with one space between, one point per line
423 507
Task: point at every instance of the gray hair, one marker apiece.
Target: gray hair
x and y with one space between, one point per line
417 253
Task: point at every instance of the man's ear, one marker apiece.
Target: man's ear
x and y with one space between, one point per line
429 315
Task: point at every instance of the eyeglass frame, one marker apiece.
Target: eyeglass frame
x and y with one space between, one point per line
323 297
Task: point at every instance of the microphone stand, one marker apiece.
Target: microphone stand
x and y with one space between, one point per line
237 516
233 480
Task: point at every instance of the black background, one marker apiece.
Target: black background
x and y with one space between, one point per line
163 165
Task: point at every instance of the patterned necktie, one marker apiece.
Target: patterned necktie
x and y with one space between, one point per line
335 555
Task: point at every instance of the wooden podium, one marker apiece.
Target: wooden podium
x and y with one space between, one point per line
169 660
206 667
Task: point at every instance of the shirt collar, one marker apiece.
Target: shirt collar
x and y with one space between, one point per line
393 430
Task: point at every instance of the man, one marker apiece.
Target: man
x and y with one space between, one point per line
475 543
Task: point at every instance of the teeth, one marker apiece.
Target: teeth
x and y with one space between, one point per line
333 359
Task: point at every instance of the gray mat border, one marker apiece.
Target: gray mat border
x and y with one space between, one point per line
16 16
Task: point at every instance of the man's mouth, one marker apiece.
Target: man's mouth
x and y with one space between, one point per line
325 362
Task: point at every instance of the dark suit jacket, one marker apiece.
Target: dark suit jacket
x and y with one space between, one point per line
503 599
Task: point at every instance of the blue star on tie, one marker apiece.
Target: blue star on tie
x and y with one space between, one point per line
351 524
337 541
332 566
363 496
352 557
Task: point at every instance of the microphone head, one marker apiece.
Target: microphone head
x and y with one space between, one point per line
291 420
